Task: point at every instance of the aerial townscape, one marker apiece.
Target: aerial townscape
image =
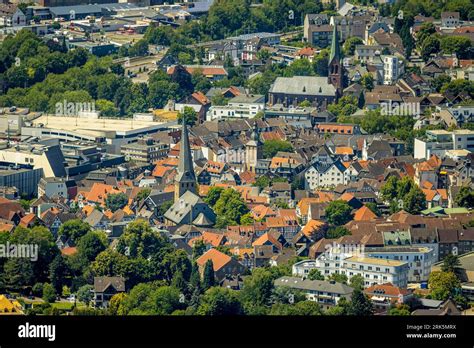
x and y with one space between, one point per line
237 157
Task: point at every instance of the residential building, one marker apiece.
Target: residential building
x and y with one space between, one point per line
385 296
105 288
25 180
51 187
419 259
437 142
326 293
317 31
392 69
223 264
241 106
11 16
366 53
373 270
326 175
449 19
48 158
145 150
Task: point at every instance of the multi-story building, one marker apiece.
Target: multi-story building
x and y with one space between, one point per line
366 53
242 106
438 141
51 187
24 180
317 30
326 175
325 293
48 158
391 69
12 16
420 259
372 269
145 150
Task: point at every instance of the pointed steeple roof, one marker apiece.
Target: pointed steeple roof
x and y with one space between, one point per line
254 136
335 49
185 167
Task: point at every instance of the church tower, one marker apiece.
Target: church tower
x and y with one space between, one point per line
185 179
253 149
335 68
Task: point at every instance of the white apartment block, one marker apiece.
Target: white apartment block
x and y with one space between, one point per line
366 53
326 175
391 69
437 142
242 106
52 187
373 270
419 259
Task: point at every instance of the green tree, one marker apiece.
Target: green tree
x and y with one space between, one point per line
338 212
220 301
414 201
213 195
107 108
208 277
17 273
367 80
336 232
389 190
400 310
357 282
455 87
320 63
189 115
74 229
143 194
229 208
450 263
429 46
49 293
84 294
315 274
271 147
116 201
338 278
257 289
57 270
198 248
262 182
300 67
465 197
456 44
91 245
443 284
360 304
439 81
350 45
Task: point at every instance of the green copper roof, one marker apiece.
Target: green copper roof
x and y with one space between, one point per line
335 49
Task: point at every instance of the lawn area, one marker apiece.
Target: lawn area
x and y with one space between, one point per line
67 306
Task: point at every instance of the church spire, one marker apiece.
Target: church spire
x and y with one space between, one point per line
185 179
185 158
335 69
335 49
